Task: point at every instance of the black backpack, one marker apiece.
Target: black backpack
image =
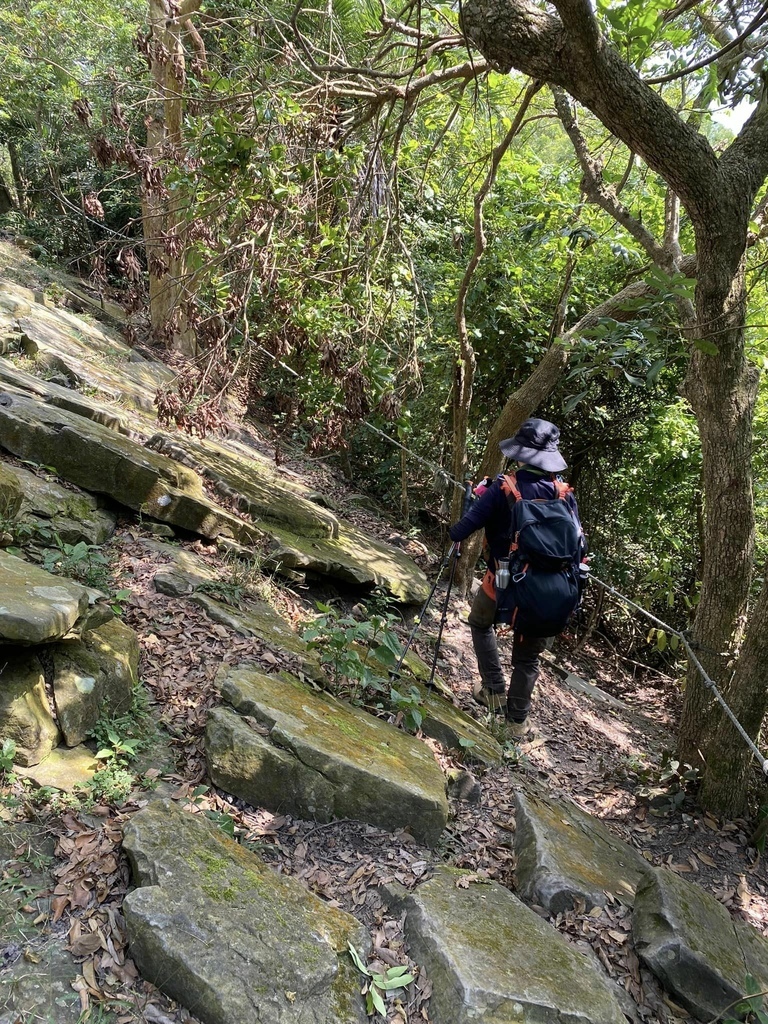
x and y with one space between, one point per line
546 543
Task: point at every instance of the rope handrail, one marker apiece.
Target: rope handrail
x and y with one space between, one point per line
708 681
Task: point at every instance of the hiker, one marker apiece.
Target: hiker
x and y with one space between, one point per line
533 486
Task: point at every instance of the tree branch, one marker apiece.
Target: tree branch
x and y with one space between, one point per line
595 188
561 51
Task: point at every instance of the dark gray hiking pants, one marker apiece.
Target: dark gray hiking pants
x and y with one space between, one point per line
525 658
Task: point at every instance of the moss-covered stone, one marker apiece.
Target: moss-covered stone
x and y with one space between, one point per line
565 854
254 483
376 772
10 496
64 768
491 959
104 462
63 397
93 677
693 945
72 515
36 606
25 716
353 557
227 937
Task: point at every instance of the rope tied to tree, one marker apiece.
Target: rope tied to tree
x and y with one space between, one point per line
708 681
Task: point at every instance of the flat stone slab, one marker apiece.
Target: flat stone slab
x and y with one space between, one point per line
64 768
35 605
492 959
96 458
579 685
227 937
564 854
299 533
450 726
354 557
253 483
315 756
63 397
692 944
91 355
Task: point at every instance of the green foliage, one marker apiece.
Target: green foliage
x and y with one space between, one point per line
7 754
752 1007
378 985
353 651
83 562
409 705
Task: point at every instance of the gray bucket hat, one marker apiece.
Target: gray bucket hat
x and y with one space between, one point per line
536 444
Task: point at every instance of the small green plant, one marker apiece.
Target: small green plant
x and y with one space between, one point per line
669 790
409 705
379 984
354 652
83 562
238 579
751 1007
119 748
126 735
7 754
221 819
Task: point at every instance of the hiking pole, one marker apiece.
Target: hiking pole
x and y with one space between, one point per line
465 507
395 672
444 616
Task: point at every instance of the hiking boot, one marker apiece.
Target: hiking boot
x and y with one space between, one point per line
488 698
516 730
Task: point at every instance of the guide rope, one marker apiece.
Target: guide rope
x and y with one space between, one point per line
708 681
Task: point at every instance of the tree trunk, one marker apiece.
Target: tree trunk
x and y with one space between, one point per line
163 218
6 199
726 779
18 178
722 389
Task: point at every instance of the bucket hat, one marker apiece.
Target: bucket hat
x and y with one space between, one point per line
536 444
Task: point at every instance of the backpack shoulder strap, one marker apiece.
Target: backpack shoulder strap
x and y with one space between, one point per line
510 489
562 489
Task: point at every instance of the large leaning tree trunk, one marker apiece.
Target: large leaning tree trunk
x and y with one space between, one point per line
568 50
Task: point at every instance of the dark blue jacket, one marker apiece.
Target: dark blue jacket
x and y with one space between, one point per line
491 510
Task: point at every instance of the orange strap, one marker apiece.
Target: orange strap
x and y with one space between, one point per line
509 486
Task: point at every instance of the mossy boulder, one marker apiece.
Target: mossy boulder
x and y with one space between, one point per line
492 959
63 397
253 483
25 716
565 854
104 462
11 496
36 606
365 768
699 952
90 356
353 556
73 516
93 677
227 937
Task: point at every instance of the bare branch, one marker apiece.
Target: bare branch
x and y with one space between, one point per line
596 189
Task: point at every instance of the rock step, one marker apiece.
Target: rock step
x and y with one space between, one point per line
229 938
315 756
492 959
